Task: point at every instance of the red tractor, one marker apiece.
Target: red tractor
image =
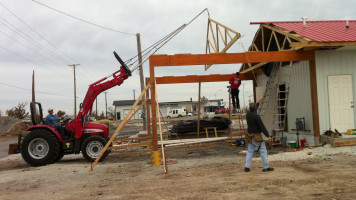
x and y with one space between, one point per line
44 145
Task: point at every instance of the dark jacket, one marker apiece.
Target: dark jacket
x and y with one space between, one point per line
255 124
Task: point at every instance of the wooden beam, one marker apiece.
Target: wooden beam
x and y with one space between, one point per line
201 78
148 112
314 101
198 128
277 42
287 33
322 44
230 58
344 143
252 68
230 29
130 145
129 139
122 124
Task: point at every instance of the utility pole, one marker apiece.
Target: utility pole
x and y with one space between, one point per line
33 96
75 90
106 106
33 86
134 94
141 80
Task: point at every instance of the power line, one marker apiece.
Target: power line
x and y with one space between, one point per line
28 38
36 64
29 48
110 29
41 37
36 91
35 31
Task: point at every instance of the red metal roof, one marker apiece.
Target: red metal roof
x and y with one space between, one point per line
320 31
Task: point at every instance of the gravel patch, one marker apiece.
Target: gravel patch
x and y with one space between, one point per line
324 152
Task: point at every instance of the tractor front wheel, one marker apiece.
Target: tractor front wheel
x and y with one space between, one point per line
92 148
40 147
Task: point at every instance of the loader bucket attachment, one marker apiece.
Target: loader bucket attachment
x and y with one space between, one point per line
15 147
127 70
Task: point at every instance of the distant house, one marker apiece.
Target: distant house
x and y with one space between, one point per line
122 107
321 91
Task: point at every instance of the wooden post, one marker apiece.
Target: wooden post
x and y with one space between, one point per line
160 133
122 124
314 100
148 113
199 110
156 156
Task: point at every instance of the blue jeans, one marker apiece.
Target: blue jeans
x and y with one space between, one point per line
60 129
263 152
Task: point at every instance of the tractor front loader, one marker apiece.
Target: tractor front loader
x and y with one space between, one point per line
44 144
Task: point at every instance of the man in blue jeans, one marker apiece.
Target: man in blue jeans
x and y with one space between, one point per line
254 139
51 120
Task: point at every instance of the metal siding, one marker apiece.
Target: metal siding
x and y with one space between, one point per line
331 63
299 99
299 103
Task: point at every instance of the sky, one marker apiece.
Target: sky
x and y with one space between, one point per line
36 38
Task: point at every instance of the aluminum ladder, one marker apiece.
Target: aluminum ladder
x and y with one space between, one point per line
280 108
271 83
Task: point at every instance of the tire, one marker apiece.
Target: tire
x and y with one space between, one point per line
60 156
92 148
40 147
180 116
168 117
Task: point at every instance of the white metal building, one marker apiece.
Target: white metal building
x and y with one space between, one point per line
322 90
122 107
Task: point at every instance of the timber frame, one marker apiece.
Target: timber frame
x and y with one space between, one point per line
225 35
208 59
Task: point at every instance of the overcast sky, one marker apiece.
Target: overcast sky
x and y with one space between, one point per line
51 41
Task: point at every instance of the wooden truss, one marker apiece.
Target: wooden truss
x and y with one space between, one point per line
227 38
270 38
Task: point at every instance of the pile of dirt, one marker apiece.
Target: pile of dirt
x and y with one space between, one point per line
10 125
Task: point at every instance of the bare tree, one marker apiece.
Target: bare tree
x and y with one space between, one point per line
18 111
0 113
111 112
102 116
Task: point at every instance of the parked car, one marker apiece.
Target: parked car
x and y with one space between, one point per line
192 113
180 112
222 111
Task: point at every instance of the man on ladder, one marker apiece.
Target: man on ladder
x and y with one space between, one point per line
235 83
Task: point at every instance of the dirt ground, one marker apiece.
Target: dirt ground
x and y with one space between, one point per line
203 171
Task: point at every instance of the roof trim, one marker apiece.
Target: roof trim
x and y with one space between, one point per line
308 21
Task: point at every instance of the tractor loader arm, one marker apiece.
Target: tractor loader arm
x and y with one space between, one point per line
95 89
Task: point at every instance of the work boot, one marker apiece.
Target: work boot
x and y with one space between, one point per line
269 169
247 169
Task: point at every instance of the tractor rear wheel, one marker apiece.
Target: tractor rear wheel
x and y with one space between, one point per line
40 147
92 148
